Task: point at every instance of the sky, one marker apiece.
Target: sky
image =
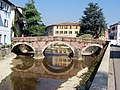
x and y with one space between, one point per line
59 11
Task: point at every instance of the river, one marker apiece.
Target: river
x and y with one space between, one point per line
49 73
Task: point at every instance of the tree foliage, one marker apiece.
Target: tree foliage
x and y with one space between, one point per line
93 21
32 19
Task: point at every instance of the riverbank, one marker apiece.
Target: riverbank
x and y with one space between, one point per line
73 82
4 50
5 65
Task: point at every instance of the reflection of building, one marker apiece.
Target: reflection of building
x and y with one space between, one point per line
57 50
60 61
68 29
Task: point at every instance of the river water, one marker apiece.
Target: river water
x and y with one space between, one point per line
45 74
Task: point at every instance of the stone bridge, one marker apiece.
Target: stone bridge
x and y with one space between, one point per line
37 45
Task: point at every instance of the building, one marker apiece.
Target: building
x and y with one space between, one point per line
5 25
16 22
8 14
68 29
114 33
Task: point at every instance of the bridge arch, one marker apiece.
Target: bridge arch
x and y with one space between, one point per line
50 43
91 49
16 47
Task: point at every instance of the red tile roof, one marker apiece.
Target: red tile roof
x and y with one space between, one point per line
67 24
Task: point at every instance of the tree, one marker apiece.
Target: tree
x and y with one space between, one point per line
33 23
93 22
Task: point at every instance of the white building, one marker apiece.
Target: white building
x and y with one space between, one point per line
8 14
5 22
114 33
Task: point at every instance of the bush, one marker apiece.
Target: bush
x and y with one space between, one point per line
86 36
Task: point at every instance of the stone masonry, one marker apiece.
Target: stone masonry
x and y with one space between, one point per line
39 44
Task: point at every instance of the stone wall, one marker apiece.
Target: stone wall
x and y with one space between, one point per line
101 78
4 51
39 44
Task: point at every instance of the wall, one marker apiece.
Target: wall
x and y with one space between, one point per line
101 78
4 51
5 29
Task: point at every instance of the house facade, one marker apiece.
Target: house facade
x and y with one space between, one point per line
9 13
68 29
5 22
114 33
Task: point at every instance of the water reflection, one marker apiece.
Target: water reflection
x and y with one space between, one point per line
57 63
23 62
21 83
46 74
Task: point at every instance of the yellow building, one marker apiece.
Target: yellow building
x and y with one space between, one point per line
68 29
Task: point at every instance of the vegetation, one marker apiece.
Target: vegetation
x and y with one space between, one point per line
33 25
93 21
86 36
14 29
88 76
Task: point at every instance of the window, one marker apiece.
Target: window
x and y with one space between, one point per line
6 7
65 32
70 32
56 32
76 32
61 32
61 27
1 5
57 27
113 28
70 27
65 27
5 22
76 27
0 38
4 39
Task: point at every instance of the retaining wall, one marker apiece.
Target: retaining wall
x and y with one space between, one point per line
4 51
100 81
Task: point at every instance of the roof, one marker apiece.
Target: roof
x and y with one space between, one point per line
66 24
8 2
118 23
14 7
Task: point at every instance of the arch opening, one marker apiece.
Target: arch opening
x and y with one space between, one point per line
58 48
23 49
91 50
57 57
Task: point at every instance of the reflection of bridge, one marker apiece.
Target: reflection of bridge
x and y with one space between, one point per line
37 45
39 70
